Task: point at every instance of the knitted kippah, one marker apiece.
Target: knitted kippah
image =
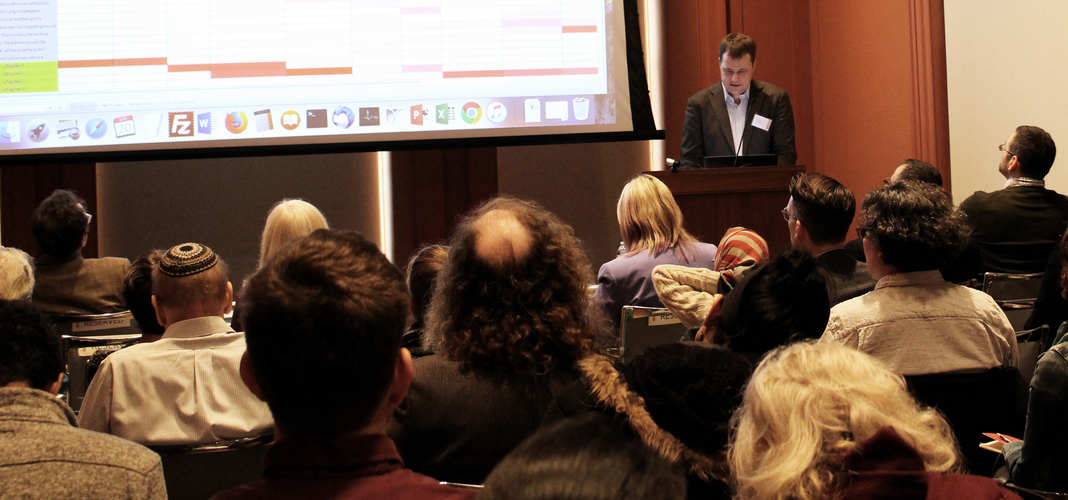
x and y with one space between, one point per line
187 259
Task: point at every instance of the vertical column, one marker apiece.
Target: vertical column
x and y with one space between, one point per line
29 52
532 37
248 39
188 43
318 43
86 48
471 33
421 24
376 40
139 33
583 34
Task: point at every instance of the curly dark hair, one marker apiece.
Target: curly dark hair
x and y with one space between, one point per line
523 312
59 223
914 225
782 301
30 350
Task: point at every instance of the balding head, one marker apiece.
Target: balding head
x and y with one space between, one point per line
511 300
501 240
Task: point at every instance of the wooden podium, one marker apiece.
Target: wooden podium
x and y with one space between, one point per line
713 200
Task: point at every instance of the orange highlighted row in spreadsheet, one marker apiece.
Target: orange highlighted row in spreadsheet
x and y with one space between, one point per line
104 63
579 29
318 71
520 72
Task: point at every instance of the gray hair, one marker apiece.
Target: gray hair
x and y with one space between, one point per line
16 274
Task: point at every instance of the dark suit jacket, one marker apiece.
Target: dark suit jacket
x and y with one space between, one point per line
847 277
707 129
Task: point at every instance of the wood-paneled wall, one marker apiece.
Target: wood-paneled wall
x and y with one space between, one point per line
867 79
23 187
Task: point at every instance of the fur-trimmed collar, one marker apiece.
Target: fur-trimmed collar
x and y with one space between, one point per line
611 390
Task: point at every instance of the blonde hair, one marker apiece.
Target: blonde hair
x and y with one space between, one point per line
288 220
808 405
16 274
649 218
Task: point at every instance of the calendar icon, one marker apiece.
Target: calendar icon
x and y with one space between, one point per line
124 126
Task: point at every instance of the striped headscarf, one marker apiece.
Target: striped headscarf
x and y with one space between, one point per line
740 250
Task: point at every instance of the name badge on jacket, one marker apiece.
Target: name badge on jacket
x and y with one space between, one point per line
761 123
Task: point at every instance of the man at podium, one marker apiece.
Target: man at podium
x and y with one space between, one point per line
739 115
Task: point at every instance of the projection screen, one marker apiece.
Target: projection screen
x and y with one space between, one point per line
107 78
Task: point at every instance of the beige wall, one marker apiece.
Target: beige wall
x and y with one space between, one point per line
1005 63
223 203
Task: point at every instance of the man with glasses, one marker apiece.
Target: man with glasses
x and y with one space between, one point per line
67 283
818 216
1018 226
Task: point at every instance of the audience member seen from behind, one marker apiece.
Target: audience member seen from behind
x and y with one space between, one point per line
677 398
509 319
137 290
287 220
651 225
773 305
962 268
42 453
818 216
915 321
16 274
1017 226
324 320
824 421
184 388
693 294
423 271
67 283
910 170
586 458
1039 461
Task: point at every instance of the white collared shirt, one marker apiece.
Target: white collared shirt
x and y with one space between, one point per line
182 389
737 114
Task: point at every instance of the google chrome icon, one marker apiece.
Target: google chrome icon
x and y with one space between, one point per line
236 122
472 112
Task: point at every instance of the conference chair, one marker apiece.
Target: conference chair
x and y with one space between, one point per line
1031 344
1029 494
85 335
644 327
198 472
991 401
1015 293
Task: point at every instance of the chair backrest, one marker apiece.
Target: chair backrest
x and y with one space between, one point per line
1031 343
1015 293
198 472
1029 494
975 403
1012 287
644 327
78 351
119 323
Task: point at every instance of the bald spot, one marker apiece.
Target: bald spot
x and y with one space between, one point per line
501 240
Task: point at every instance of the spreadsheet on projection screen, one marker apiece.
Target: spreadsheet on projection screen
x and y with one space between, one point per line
84 73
